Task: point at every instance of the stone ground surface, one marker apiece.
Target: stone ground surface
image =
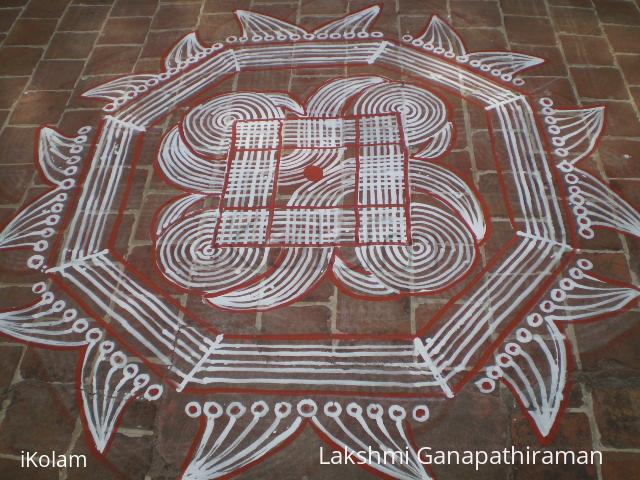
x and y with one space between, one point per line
53 50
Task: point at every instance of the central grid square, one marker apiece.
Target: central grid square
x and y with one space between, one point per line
379 210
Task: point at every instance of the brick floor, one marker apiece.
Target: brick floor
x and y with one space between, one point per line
53 50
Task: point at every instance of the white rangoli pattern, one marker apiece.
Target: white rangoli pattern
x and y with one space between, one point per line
359 164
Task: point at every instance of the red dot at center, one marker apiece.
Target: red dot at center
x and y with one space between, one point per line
313 173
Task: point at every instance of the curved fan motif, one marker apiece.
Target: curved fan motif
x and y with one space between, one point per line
503 64
258 26
534 363
356 24
594 204
47 321
237 436
240 435
441 38
574 133
188 50
108 383
186 169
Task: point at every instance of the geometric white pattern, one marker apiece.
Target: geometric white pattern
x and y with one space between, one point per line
363 158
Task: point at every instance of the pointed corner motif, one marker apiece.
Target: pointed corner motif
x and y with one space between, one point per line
351 26
534 365
108 382
441 38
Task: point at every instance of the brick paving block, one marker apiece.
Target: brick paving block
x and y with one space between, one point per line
321 292
325 7
278 80
10 90
554 65
112 60
489 186
635 94
613 263
630 66
239 323
140 415
606 240
484 38
218 6
529 30
31 31
586 50
15 180
7 18
10 356
15 296
71 45
129 457
610 351
125 30
574 434
623 39
40 417
216 28
357 316
475 14
616 412
287 12
572 3
11 468
146 214
18 60
420 7
627 188
72 120
620 157
622 119
127 8
307 319
306 449
523 7
14 3
83 18
49 365
45 8
601 83
16 145
620 465
578 21
39 107
56 75
171 16
160 42
620 12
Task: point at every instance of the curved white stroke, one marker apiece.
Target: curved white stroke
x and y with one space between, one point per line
300 268
423 113
187 257
434 179
441 252
185 169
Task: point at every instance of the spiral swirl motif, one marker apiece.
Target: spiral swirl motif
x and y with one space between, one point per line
443 249
423 114
208 127
187 257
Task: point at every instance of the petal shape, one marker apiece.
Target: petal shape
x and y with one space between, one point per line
187 47
263 26
442 38
352 24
